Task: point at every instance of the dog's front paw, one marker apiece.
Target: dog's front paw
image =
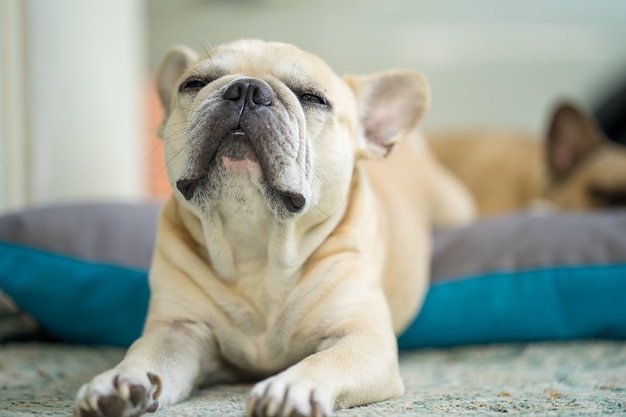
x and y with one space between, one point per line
118 394
284 395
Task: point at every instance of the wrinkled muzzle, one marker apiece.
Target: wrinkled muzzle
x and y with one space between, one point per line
247 121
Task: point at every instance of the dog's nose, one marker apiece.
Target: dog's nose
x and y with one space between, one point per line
253 93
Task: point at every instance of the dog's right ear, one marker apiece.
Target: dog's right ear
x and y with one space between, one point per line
390 105
572 136
177 60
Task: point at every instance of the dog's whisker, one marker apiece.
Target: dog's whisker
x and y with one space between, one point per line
202 45
182 123
168 162
176 135
176 155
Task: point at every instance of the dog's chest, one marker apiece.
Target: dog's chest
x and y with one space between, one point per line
257 320
266 349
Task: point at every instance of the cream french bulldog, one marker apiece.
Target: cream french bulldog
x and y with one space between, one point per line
282 256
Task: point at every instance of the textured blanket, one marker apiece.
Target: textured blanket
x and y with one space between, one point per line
548 379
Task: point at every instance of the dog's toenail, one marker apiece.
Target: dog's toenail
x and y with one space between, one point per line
153 407
155 380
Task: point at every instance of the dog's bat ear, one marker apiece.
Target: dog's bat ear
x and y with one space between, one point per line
572 136
390 104
177 60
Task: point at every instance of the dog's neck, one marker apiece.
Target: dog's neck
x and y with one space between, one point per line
264 285
249 246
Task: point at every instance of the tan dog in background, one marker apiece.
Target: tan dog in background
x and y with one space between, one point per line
575 168
281 257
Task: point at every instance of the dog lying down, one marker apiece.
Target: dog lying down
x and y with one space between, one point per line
575 168
296 244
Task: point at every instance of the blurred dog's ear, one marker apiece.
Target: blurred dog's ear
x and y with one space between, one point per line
572 136
390 104
175 63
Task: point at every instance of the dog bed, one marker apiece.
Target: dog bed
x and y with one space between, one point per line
80 271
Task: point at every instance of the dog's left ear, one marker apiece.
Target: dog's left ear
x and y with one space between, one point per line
572 136
390 104
177 60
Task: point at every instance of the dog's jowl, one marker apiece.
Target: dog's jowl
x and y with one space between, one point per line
296 243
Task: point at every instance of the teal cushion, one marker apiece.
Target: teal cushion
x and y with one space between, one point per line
524 278
81 272
559 303
76 300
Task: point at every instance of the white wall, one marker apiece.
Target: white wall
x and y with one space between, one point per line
86 62
489 62
84 86
3 186
13 136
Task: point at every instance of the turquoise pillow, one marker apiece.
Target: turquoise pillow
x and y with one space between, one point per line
560 303
76 300
525 278
81 272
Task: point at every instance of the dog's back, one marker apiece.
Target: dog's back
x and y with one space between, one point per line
502 170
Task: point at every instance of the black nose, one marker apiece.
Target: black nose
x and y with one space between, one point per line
254 93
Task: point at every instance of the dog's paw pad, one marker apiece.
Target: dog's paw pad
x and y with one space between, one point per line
116 394
137 395
111 406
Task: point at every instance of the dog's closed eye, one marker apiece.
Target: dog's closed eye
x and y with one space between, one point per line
313 98
192 84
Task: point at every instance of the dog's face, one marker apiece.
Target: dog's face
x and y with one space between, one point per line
267 126
586 170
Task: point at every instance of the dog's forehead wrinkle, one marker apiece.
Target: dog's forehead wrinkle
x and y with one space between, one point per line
303 84
268 59
205 70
